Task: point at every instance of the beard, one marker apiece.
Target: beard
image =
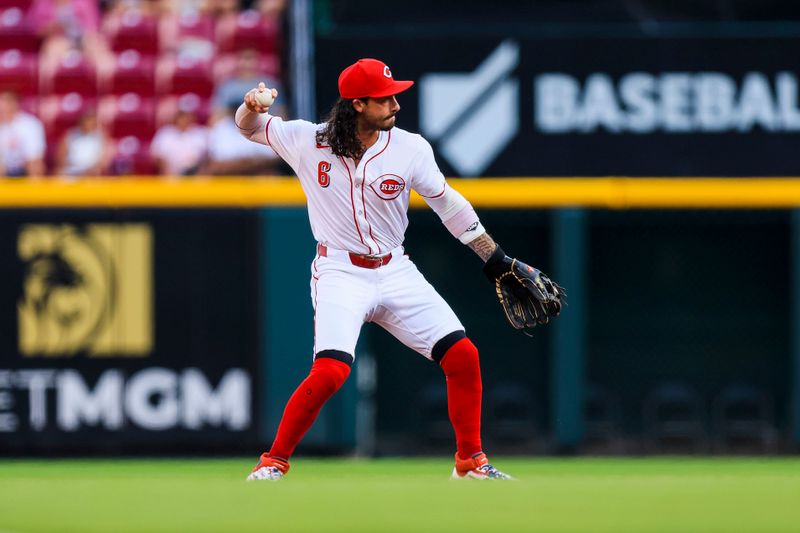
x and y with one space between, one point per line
381 124
388 123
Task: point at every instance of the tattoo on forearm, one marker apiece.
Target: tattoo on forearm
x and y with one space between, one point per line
483 246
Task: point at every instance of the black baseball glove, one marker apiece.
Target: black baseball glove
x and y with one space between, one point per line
528 297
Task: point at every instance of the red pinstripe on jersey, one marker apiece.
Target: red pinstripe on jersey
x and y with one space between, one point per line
438 195
353 204
316 279
266 131
364 186
369 226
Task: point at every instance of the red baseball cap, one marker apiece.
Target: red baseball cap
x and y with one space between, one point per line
369 78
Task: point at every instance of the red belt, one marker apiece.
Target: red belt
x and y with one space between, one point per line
360 260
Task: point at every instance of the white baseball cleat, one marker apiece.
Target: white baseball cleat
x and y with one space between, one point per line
265 472
476 467
269 468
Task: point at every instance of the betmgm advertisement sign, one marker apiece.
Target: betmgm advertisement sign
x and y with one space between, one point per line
90 357
524 106
86 289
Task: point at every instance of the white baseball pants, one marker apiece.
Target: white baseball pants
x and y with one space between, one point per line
396 296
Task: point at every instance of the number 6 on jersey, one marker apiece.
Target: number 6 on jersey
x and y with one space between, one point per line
322 174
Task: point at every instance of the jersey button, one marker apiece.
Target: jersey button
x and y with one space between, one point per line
360 212
357 185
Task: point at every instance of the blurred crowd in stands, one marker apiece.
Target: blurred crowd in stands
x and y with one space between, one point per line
138 87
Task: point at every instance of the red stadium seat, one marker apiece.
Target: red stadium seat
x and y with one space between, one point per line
16 32
133 73
185 74
132 29
22 4
128 115
74 74
195 25
251 30
132 156
61 112
187 32
19 73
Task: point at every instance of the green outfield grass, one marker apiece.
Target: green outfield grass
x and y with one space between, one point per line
415 495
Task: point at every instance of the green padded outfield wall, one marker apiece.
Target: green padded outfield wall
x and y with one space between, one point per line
698 299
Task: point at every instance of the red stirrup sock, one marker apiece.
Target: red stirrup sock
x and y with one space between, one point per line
463 372
325 378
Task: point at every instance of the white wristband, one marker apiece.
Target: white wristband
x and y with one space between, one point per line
473 232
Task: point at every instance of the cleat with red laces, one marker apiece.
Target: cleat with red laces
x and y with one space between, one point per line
476 467
269 468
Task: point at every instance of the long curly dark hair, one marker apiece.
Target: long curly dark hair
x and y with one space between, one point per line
339 131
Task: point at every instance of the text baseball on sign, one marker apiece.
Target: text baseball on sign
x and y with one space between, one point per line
673 102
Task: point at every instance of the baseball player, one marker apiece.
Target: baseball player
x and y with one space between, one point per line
357 171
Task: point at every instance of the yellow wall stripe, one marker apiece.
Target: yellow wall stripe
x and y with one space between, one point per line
612 192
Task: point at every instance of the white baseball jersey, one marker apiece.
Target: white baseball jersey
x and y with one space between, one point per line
360 208
363 209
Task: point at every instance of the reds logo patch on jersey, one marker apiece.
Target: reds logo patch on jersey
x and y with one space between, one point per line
388 186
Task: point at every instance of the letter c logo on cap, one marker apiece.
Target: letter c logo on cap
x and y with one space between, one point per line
386 72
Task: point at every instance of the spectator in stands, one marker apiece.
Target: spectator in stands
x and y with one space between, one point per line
22 141
179 149
67 25
85 150
227 11
187 30
229 156
247 75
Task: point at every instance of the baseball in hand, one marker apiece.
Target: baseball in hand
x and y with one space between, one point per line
264 98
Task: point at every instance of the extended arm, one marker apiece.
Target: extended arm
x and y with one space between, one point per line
528 297
250 117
